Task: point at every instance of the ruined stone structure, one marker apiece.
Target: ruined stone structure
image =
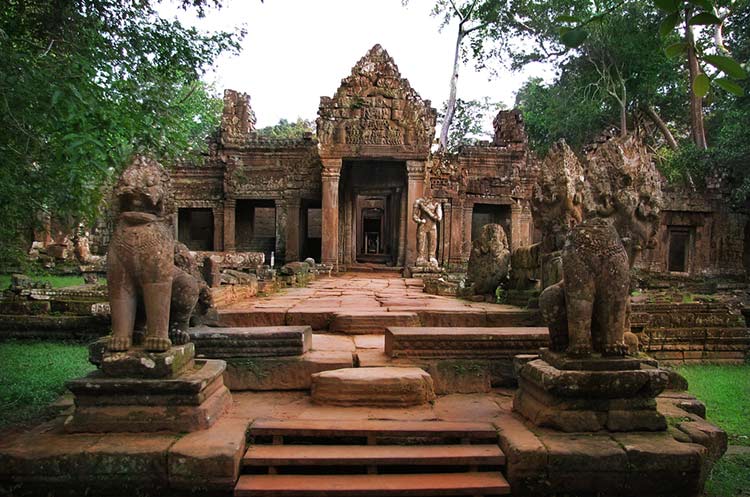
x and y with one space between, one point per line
347 197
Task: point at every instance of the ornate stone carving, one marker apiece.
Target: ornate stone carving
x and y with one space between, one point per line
557 200
140 259
489 259
375 106
237 118
427 213
510 130
588 311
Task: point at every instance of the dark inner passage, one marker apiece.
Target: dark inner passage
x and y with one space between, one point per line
195 228
371 194
255 226
679 239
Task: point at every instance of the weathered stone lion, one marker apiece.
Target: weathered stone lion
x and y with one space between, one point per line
140 260
588 311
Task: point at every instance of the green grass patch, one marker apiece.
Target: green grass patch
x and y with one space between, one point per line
725 390
34 375
730 477
55 280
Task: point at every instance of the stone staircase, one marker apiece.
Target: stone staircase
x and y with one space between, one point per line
311 458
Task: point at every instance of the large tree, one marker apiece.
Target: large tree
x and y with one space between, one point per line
85 83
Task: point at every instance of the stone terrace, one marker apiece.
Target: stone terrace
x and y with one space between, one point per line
360 303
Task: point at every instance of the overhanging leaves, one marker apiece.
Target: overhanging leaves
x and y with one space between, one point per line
701 85
728 65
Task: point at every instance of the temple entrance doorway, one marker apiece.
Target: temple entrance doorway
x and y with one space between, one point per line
371 198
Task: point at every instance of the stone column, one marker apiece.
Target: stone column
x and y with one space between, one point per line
466 243
415 170
281 231
229 209
292 229
218 214
330 207
516 226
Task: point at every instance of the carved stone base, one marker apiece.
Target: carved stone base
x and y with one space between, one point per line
140 363
621 398
191 401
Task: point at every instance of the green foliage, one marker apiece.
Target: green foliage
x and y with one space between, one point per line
729 477
84 84
726 392
34 375
288 129
54 280
468 125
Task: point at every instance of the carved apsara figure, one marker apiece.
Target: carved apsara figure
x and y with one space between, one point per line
588 311
140 260
427 213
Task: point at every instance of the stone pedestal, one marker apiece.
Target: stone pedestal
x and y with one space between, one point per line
586 395
140 391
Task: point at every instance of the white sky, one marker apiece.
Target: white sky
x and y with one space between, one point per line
297 50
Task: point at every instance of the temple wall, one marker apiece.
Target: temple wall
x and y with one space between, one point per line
699 236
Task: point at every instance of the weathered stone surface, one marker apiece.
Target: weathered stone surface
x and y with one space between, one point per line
209 459
272 341
489 260
140 363
282 373
460 376
149 418
485 342
595 362
388 386
369 322
427 213
140 259
590 400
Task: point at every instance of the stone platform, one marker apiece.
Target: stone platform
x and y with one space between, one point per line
346 303
267 341
378 387
193 400
539 461
592 394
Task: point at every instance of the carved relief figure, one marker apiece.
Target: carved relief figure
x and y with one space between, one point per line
140 260
588 311
427 213
489 260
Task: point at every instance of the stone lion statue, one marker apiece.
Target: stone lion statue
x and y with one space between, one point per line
589 310
140 259
489 260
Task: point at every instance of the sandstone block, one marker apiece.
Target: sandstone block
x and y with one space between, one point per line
387 386
261 341
140 363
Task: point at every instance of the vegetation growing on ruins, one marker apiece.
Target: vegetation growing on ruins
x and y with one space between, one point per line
85 83
288 129
667 69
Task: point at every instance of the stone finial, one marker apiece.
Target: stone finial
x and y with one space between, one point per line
237 118
510 129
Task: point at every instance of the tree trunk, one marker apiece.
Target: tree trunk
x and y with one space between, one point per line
451 106
698 132
668 136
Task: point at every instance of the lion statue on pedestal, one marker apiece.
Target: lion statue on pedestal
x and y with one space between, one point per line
140 259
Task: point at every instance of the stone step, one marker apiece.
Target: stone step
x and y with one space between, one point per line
372 429
373 321
253 341
375 455
474 342
387 386
478 483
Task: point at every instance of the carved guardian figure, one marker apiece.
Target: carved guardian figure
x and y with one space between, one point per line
489 260
427 213
140 260
589 310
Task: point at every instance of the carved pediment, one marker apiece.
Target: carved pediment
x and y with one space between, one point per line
375 108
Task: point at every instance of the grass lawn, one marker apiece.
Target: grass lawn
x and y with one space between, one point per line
726 392
34 375
55 281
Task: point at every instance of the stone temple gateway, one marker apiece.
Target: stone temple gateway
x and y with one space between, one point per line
346 198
